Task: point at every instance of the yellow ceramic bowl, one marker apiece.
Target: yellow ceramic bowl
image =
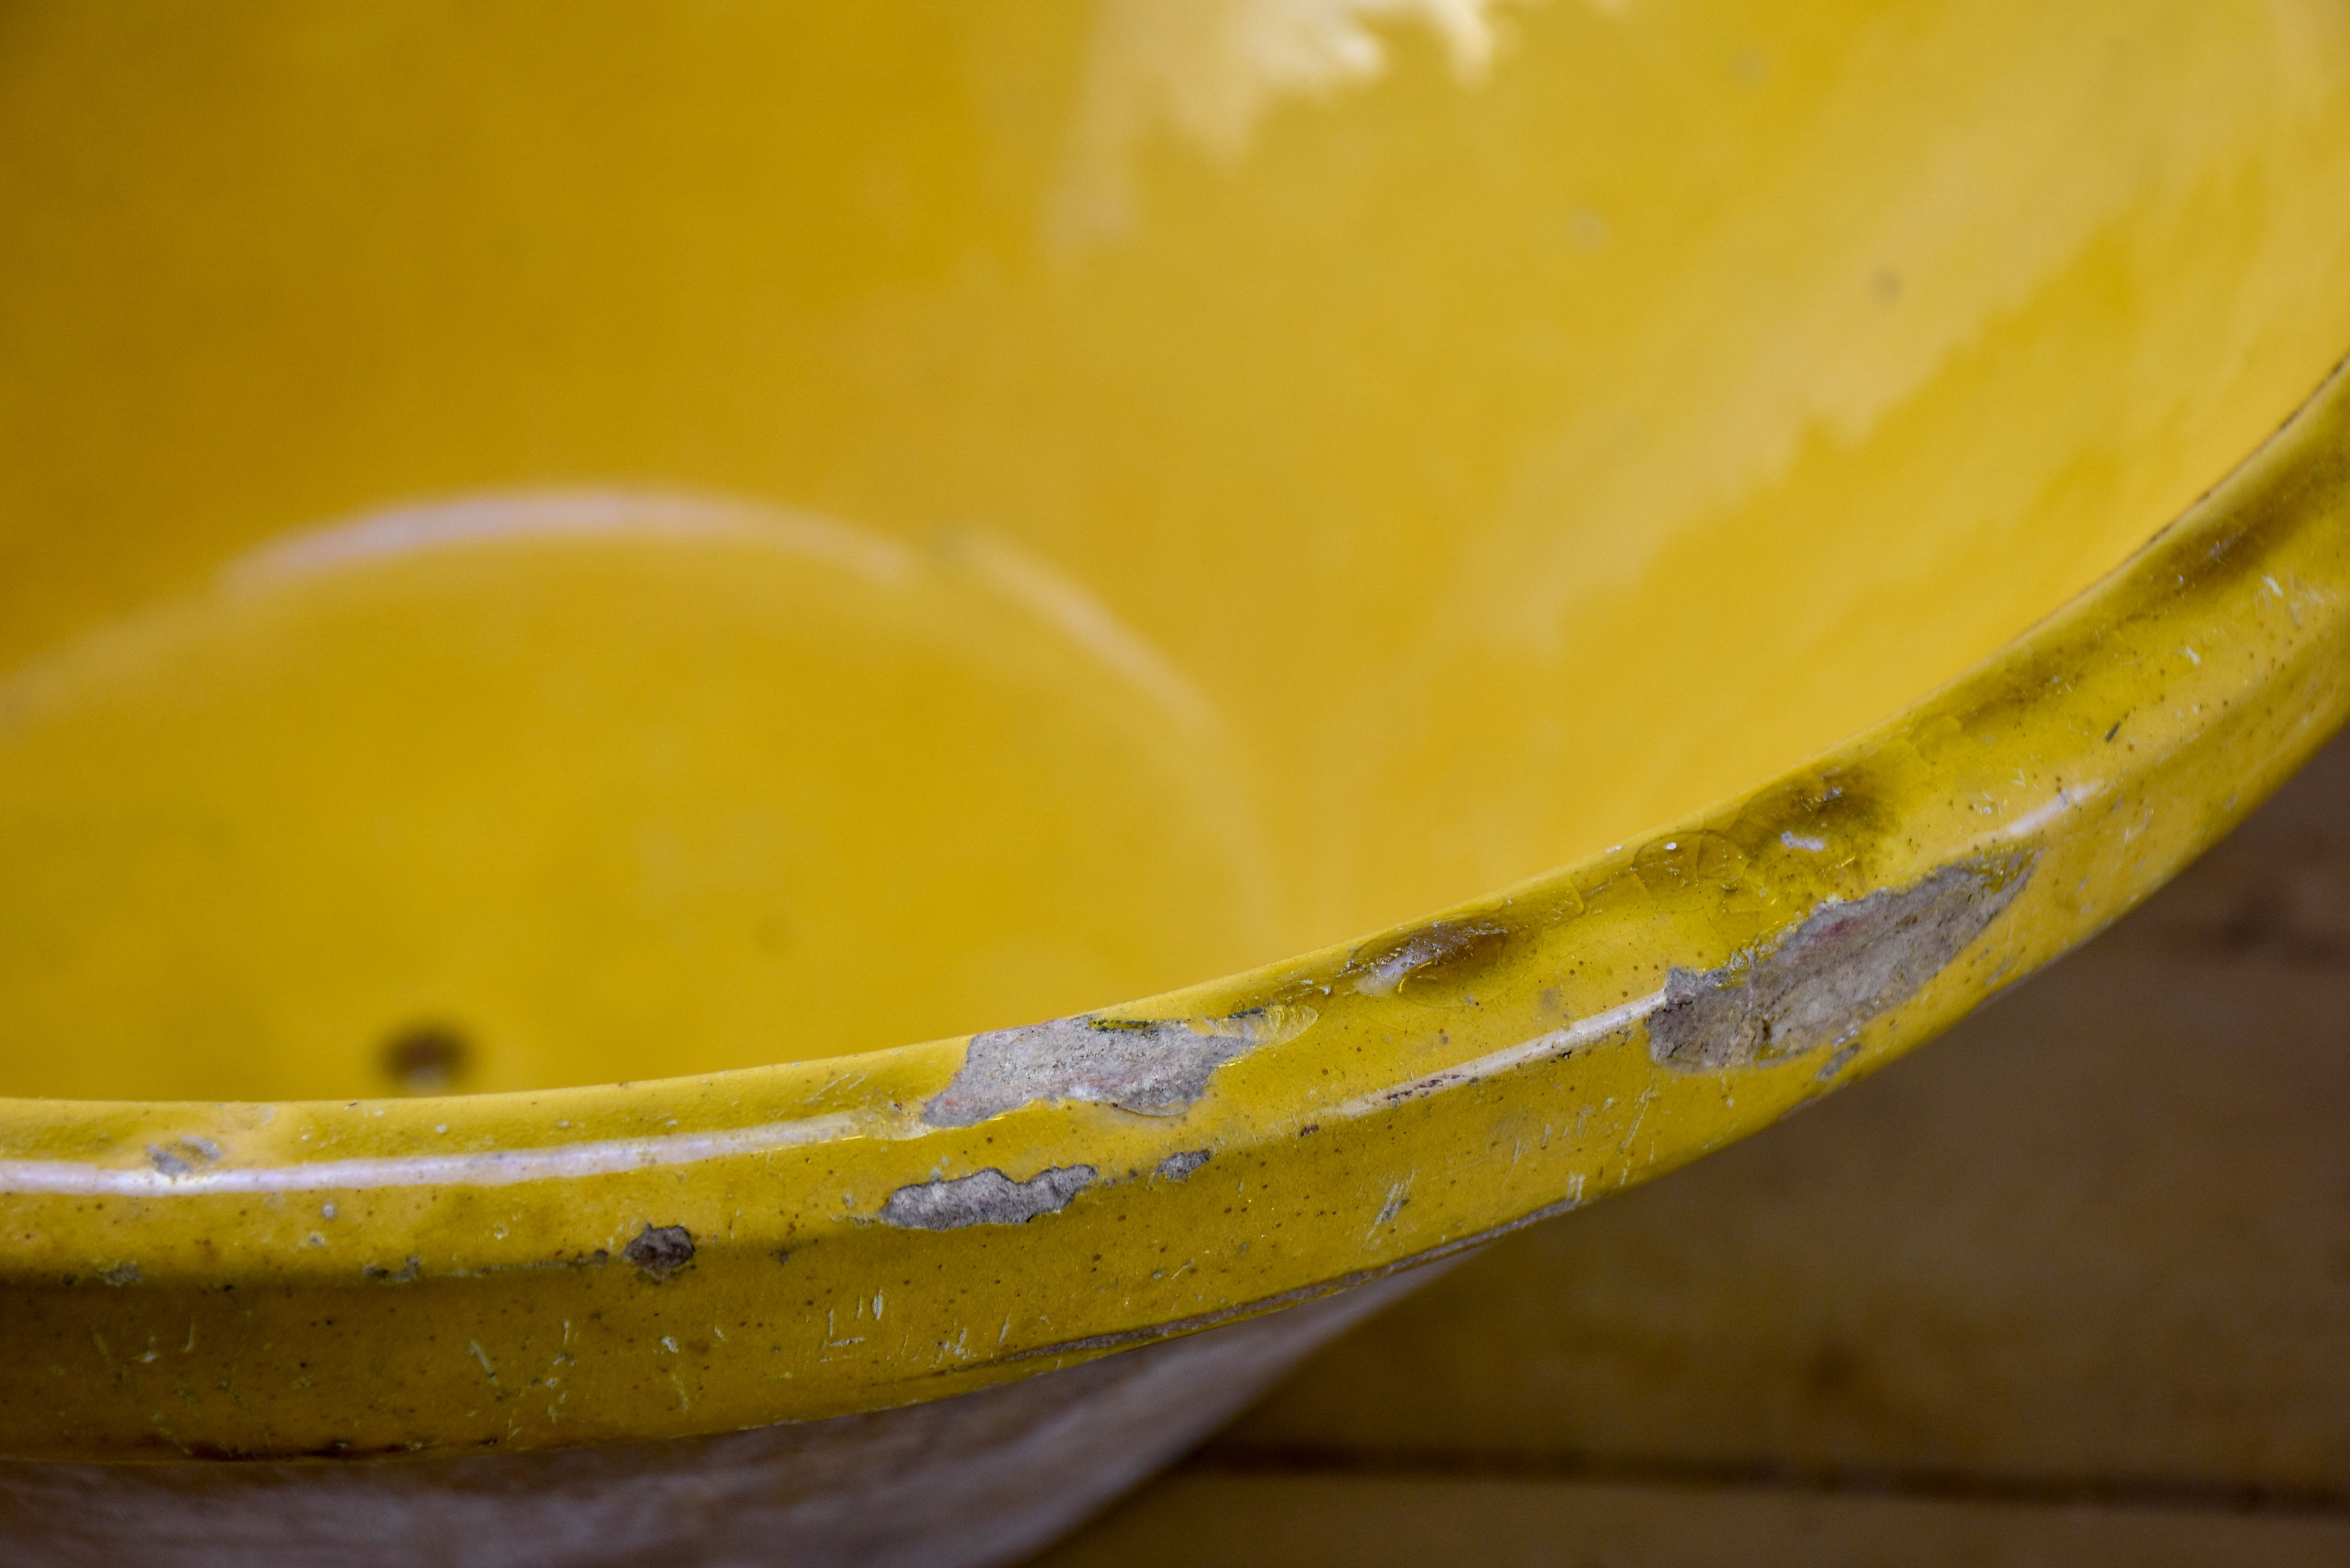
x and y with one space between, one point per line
702 545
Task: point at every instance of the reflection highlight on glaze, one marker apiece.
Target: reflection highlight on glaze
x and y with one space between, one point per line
1205 72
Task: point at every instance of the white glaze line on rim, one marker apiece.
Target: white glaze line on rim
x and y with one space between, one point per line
497 1168
1556 1043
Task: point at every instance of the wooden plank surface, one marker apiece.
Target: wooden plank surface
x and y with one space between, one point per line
2093 1245
1218 1520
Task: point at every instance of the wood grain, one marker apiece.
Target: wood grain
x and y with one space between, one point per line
1211 1520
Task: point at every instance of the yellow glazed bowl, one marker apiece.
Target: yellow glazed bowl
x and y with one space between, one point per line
574 582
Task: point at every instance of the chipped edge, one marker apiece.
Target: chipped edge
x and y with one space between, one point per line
985 1197
1821 982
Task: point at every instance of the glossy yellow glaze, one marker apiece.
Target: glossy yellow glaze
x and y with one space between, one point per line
711 539
596 790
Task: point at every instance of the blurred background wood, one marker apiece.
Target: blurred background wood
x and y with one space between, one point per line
1206 1519
2069 1285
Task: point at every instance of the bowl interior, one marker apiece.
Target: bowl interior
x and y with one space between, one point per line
547 549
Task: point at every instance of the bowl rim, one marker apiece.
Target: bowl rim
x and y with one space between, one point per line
338 1278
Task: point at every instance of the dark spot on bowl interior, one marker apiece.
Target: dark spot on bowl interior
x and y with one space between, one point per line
426 1058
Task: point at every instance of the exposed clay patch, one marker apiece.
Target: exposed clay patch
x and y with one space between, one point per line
1837 1062
182 1155
1155 1068
1844 964
1181 1163
661 1250
119 1274
985 1198
1440 949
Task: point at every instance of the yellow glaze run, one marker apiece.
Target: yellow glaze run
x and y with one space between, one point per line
712 538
